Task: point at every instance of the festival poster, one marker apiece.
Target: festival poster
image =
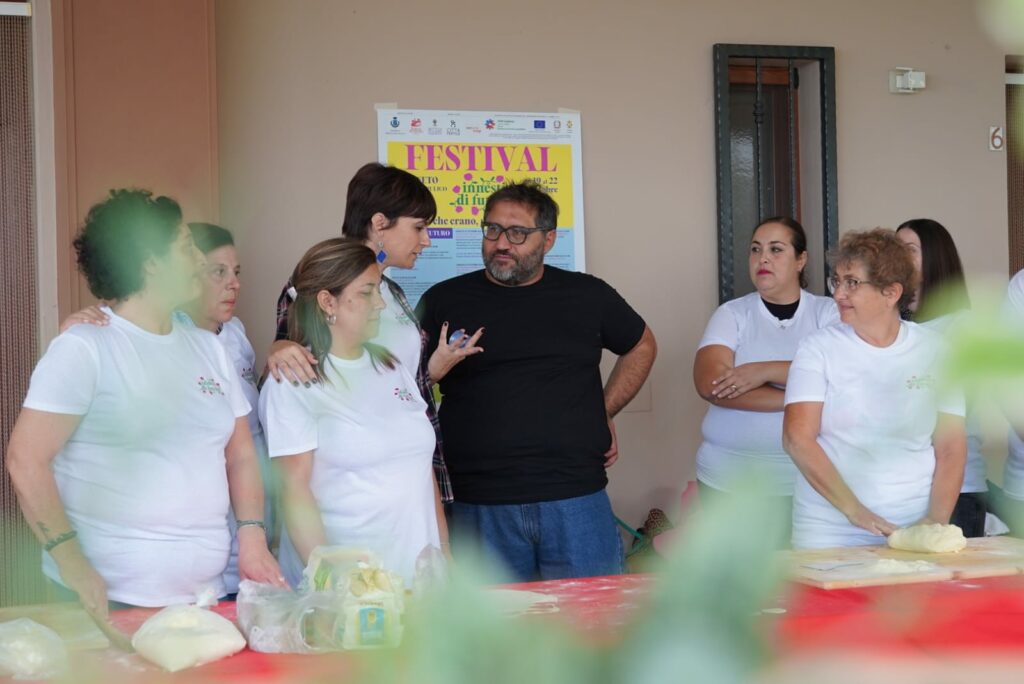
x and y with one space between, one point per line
463 157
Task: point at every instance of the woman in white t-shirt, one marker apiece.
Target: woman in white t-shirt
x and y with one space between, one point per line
741 368
876 445
354 450
133 442
939 301
388 209
1008 500
214 310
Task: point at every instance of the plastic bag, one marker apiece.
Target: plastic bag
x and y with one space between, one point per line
276 620
28 650
431 570
345 600
373 607
185 636
329 567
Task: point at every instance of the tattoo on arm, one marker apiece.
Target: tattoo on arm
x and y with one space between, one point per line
44 529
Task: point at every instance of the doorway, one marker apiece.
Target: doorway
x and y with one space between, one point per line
776 152
1015 160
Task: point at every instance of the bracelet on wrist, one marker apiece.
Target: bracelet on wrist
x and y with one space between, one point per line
250 523
51 544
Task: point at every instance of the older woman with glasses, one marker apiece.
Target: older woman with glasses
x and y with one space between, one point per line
877 445
214 310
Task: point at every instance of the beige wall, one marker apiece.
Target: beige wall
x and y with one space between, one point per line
297 84
134 102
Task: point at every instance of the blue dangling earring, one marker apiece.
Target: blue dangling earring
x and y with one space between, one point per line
381 255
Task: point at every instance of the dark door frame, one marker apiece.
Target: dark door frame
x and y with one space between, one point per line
826 58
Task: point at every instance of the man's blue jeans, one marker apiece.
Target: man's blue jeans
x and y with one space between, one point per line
548 540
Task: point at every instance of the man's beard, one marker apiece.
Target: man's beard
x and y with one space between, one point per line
523 269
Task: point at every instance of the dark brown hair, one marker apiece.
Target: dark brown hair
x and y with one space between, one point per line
884 256
530 194
119 235
941 270
388 190
209 236
328 265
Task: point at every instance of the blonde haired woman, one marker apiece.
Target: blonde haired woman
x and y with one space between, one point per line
354 450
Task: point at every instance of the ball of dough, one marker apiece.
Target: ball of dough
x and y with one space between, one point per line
184 636
891 566
28 650
935 538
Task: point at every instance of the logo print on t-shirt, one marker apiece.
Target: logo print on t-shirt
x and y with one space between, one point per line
924 382
249 376
209 386
403 394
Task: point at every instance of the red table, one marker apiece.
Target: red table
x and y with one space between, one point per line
980 615
977 618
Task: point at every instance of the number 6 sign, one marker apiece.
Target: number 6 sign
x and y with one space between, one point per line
996 139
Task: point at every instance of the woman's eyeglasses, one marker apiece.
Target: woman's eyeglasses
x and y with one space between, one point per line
849 284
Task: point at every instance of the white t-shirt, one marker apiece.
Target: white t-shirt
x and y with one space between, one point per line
372 450
1015 295
399 334
143 477
880 410
1013 473
975 472
243 358
738 443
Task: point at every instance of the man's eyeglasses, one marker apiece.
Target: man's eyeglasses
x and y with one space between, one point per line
514 234
849 284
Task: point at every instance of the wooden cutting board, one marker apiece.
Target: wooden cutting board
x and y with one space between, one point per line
68 620
851 566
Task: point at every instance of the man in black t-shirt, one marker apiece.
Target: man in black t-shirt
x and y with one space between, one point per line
527 425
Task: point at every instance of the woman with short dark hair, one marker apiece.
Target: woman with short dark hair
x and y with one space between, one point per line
388 209
214 310
877 444
132 442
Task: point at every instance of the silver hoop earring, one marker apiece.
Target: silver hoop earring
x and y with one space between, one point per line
332 319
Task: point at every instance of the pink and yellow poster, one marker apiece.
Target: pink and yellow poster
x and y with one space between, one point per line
465 156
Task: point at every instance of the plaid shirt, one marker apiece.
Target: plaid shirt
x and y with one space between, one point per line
422 376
